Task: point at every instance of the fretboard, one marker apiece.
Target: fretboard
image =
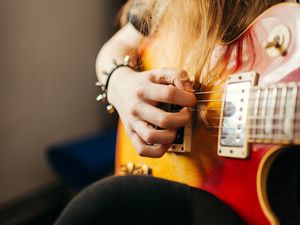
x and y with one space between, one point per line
274 113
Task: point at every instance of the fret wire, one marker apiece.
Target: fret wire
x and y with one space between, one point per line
264 108
282 104
274 97
287 111
270 113
259 110
287 123
255 113
295 94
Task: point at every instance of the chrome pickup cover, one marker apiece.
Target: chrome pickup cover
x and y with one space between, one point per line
233 123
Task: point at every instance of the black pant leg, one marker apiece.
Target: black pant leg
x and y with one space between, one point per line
145 200
140 200
209 210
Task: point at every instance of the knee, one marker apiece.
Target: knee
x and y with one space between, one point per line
94 204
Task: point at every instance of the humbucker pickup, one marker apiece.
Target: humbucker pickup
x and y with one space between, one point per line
183 140
233 123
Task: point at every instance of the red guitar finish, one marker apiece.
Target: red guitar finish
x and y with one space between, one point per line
240 183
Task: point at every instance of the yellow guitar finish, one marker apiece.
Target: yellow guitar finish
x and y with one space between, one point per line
188 168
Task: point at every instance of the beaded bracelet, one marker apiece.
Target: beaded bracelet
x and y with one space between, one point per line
103 96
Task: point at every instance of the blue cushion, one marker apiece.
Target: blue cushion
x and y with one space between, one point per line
84 161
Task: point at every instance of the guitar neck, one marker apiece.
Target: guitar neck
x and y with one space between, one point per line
274 113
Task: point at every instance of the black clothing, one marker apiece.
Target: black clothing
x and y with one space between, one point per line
145 200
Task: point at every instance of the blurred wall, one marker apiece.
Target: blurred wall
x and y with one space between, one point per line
47 93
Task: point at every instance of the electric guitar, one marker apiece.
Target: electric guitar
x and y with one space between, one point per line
247 153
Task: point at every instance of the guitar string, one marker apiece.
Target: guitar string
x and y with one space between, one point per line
258 122
261 88
240 98
255 134
278 132
261 118
260 136
258 126
296 116
261 97
261 127
296 134
234 91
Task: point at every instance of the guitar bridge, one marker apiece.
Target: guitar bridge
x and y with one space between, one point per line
132 169
233 133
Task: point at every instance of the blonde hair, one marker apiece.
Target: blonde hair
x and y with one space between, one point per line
184 34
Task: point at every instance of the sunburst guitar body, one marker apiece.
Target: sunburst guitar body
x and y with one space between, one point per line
247 153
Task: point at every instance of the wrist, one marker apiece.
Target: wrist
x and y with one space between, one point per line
117 81
104 85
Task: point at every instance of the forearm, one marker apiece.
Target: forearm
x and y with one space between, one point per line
126 40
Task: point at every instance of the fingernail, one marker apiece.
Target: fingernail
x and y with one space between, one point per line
188 86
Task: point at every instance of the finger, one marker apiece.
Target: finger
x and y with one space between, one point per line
153 151
179 78
154 136
168 94
162 118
